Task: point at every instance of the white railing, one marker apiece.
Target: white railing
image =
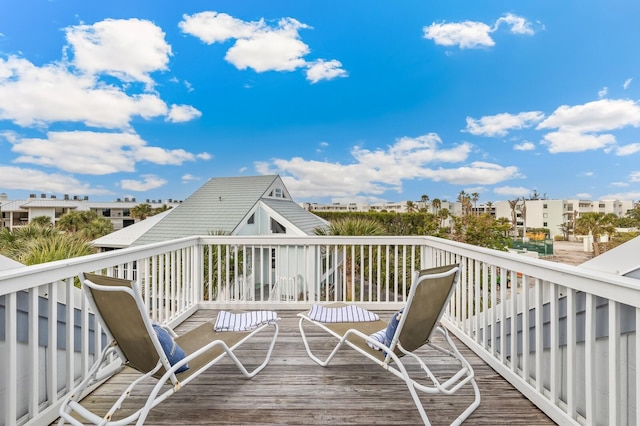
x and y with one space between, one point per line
562 360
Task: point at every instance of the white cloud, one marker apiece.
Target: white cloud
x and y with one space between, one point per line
631 195
188 178
466 35
31 96
630 149
182 113
37 180
372 172
259 46
596 116
627 83
500 124
568 141
583 196
634 177
524 146
519 25
212 27
95 153
127 49
473 34
577 124
477 173
602 93
325 70
147 183
620 184
512 191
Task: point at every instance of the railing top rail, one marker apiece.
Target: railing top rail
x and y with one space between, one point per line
611 286
276 239
23 278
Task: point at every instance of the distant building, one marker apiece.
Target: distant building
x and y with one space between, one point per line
17 213
549 214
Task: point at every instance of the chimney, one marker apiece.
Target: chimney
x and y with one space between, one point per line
32 195
133 199
126 200
86 198
53 197
66 196
43 195
75 198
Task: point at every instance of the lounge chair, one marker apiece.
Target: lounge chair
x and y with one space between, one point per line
149 348
428 297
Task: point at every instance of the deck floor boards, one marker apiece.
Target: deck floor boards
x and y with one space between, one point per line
293 390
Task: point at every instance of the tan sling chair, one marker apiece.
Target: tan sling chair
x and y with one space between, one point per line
428 297
119 308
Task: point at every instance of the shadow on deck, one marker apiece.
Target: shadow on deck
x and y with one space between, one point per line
294 390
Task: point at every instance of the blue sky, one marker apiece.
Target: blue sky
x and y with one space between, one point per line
347 101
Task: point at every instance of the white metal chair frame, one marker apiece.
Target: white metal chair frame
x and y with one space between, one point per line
105 367
392 361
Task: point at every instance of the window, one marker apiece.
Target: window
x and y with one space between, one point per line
545 215
106 212
252 219
277 193
544 224
544 206
277 228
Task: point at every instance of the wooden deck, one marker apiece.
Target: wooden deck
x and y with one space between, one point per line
294 390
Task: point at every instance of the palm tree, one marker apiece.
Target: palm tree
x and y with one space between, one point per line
141 211
443 215
475 196
463 198
411 207
87 223
596 224
489 205
57 246
425 200
351 226
42 221
436 203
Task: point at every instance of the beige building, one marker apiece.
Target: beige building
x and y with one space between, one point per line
17 213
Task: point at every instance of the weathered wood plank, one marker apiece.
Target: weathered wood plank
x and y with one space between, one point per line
294 390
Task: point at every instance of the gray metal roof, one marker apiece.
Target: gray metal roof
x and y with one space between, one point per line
7 263
126 236
621 260
299 217
219 205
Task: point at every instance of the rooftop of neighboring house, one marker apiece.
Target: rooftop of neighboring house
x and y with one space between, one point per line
222 205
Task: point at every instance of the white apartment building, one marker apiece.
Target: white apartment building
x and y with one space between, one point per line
549 214
17 213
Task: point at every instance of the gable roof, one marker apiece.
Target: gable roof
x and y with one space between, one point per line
302 219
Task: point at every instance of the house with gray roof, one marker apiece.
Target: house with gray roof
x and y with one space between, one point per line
247 205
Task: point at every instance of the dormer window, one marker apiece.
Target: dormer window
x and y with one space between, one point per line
252 219
277 193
